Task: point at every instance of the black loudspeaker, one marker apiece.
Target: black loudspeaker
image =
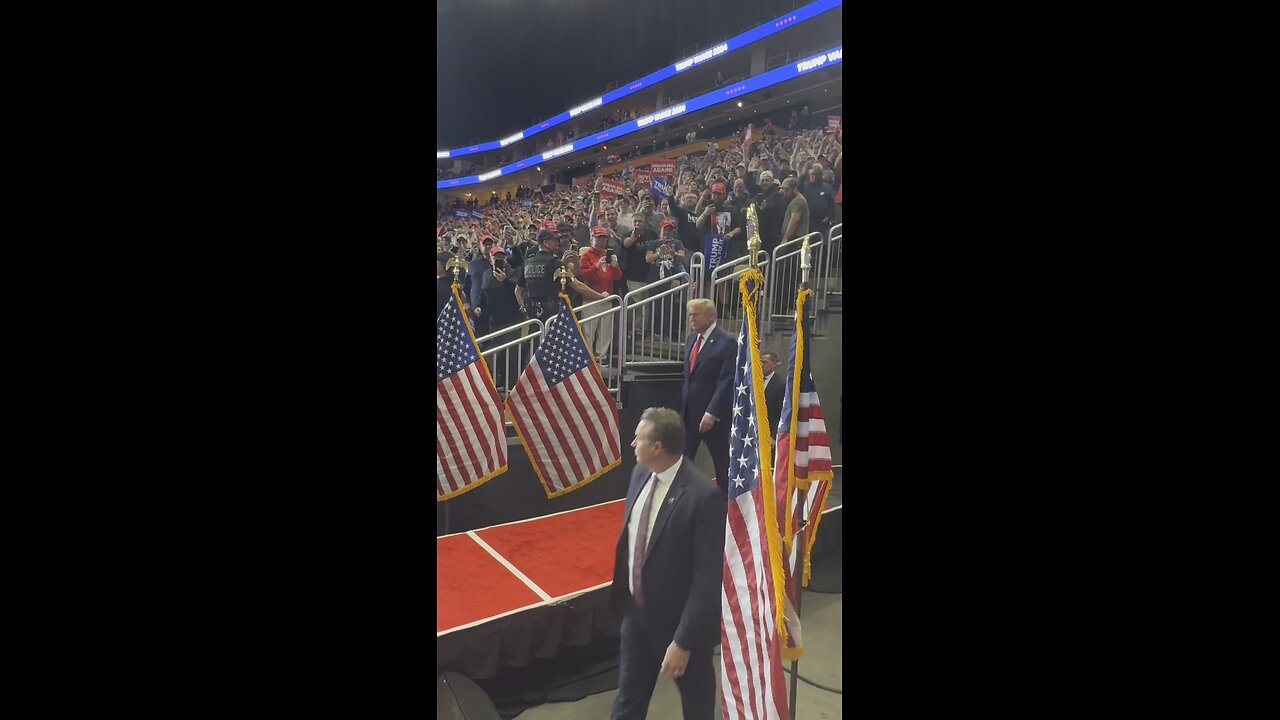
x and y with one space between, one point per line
459 698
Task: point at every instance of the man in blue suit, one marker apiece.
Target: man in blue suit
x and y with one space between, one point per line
707 397
667 574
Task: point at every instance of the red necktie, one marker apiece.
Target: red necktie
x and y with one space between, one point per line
693 356
642 537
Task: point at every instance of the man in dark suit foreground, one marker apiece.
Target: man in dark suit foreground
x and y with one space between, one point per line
667 573
708 395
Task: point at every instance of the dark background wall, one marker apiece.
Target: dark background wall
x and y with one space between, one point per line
502 65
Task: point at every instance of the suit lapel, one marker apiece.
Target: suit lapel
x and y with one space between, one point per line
706 344
664 512
632 493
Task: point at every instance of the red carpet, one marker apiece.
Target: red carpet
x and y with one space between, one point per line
560 554
463 568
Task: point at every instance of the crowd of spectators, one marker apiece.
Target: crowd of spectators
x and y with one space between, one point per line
792 176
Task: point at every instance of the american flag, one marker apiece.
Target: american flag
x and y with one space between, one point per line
752 685
564 414
803 470
471 442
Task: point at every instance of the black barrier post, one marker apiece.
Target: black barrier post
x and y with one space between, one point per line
795 664
795 672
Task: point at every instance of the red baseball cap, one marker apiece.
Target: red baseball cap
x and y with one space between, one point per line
666 222
548 225
598 231
717 188
496 250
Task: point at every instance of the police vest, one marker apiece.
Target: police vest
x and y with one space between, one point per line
539 275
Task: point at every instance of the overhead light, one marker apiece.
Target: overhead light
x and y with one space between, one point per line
739 103
539 168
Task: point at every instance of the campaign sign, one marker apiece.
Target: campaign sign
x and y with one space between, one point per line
462 213
714 251
643 178
663 167
833 122
611 187
659 188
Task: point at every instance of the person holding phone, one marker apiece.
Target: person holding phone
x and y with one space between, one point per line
666 258
599 267
637 273
476 270
720 224
499 305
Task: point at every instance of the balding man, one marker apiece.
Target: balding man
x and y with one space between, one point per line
820 197
707 397
770 205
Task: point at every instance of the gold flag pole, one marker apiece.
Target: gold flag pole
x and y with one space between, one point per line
457 265
804 263
753 238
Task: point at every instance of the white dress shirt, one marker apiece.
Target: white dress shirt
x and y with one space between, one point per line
706 335
653 493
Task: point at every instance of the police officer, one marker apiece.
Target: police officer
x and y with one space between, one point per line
537 287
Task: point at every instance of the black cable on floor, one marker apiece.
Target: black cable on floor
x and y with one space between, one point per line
785 669
804 679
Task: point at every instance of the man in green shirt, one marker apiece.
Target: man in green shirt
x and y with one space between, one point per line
795 221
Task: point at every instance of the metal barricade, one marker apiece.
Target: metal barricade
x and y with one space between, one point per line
598 320
697 273
728 299
655 322
785 280
832 284
507 351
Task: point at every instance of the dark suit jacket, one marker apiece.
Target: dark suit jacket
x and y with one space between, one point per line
684 565
773 393
709 388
